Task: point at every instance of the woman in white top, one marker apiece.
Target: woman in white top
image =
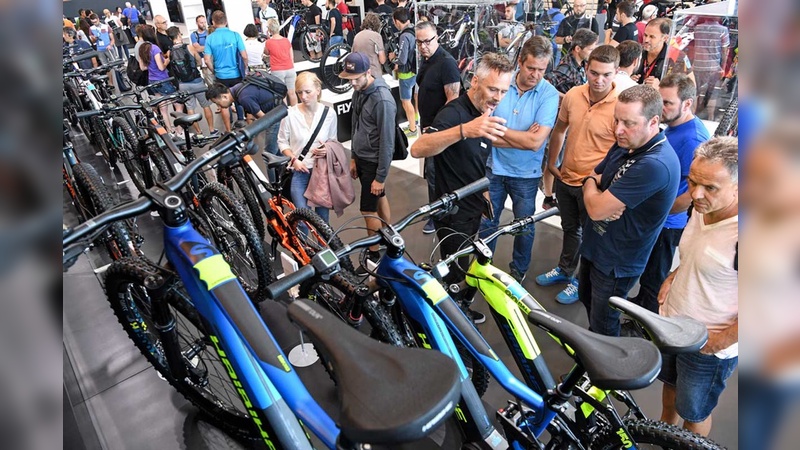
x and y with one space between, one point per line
254 47
296 130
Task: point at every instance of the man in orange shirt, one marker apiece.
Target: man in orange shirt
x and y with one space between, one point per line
587 111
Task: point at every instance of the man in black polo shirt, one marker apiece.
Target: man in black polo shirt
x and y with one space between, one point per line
439 83
657 55
460 139
579 19
627 198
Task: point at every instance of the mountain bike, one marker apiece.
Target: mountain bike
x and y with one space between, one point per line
434 315
310 34
194 323
592 419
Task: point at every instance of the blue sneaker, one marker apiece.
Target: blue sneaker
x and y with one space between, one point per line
569 295
552 277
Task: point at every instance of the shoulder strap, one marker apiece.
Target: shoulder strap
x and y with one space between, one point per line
314 134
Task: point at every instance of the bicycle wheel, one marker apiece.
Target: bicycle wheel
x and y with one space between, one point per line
100 139
314 234
234 179
117 239
309 40
654 434
237 240
208 387
478 373
330 72
727 125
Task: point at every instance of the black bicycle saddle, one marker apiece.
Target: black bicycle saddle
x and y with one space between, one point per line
184 120
275 161
610 362
388 395
670 334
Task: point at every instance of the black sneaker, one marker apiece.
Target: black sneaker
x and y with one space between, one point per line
629 328
549 202
477 317
520 277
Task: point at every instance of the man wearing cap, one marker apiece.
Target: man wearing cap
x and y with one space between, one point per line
373 125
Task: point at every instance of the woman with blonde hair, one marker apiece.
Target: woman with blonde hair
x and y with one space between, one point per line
281 58
297 130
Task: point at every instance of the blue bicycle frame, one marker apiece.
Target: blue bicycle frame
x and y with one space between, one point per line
269 387
427 303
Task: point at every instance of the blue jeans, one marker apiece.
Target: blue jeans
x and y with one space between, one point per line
523 195
594 290
271 146
333 41
657 269
698 379
298 189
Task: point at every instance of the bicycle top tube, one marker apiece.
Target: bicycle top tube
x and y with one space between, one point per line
144 203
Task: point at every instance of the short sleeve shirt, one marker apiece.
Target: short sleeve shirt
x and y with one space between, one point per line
646 181
224 46
312 13
337 16
521 110
463 162
628 32
590 134
685 138
199 38
252 98
669 60
365 42
434 74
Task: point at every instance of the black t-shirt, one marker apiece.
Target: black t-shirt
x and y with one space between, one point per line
441 69
384 8
337 16
313 11
628 32
164 42
571 24
463 162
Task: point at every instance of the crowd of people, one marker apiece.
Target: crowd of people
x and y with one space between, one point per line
608 133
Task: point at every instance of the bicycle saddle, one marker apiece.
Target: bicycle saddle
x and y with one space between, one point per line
184 120
387 395
275 161
610 362
669 334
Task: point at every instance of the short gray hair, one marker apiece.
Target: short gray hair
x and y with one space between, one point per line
422 24
722 149
493 62
648 96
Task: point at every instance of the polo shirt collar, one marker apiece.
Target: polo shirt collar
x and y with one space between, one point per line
649 144
514 83
612 96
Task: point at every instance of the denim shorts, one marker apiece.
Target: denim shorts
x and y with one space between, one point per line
163 89
699 379
407 88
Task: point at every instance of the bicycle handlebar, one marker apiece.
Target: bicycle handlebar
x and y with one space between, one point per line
445 202
514 226
142 204
82 56
93 70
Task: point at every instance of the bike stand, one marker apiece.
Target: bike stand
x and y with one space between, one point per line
303 355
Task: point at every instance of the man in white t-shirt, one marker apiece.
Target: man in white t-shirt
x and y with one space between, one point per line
630 56
705 287
265 13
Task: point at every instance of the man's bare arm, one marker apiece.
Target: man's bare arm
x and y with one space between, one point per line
451 91
530 139
681 203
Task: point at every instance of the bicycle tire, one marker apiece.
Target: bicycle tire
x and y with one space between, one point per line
654 433
726 123
236 237
117 239
234 179
295 217
100 139
330 72
478 373
159 166
217 398
305 39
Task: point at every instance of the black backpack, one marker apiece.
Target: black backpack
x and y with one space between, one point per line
265 80
137 76
182 64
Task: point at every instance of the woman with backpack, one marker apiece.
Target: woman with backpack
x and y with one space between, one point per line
184 68
155 62
281 59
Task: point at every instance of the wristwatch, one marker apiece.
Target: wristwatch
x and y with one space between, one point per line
583 182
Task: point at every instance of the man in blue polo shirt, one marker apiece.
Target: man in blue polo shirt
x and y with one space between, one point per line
628 197
223 48
685 132
514 166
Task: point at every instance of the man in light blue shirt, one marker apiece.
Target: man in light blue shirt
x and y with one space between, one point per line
222 52
514 166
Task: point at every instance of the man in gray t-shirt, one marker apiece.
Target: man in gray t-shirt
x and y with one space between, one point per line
369 42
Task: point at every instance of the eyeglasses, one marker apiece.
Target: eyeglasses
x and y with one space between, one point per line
426 42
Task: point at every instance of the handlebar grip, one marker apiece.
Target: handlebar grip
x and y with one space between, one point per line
87 114
284 284
475 186
81 57
266 121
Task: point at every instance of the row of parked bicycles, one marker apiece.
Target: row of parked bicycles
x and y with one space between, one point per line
406 360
